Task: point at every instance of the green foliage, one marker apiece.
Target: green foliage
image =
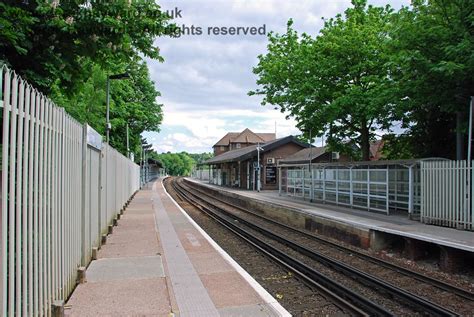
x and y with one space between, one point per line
201 157
47 41
132 102
67 49
373 69
180 164
336 82
176 164
432 48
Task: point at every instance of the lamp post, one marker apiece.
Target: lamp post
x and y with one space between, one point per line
128 145
111 77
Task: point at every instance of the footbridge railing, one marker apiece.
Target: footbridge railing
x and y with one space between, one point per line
61 188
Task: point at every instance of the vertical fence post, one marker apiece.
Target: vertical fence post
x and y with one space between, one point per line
83 196
351 187
4 73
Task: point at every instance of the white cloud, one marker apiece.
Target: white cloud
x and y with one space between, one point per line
204 80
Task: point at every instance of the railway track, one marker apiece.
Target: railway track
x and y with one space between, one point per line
347 300
294 255
462 293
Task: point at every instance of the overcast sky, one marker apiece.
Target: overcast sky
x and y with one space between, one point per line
205 79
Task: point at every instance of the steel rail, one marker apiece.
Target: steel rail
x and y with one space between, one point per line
414 301
341 296
420 277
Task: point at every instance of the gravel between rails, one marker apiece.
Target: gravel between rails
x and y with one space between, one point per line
441 297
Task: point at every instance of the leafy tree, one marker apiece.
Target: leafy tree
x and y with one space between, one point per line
133 102
201 157
180 164
432 48
335 83
67 49
176 164
49 41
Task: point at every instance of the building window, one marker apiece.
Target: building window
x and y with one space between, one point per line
237 145
222 148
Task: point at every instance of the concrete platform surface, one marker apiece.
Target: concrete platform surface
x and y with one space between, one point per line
393 224
158 262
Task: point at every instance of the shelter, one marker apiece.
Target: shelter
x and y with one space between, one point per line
382 186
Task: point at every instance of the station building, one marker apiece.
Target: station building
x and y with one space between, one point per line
237 140
239 167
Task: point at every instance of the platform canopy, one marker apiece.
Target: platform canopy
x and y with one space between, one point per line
251 151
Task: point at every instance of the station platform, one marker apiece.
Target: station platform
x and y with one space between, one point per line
369 222
159 262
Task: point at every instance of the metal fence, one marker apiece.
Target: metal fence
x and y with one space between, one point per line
60 190
201 174
447 194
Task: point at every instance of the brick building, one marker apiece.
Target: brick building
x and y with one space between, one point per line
238 167
237 140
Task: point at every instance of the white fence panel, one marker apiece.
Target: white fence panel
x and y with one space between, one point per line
201 174
446 193
58 194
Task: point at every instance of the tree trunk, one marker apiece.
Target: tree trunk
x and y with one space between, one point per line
364 143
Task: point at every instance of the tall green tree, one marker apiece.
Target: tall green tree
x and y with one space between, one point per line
432 49
201 157
133 103
336 82
176 164
46 41
67 49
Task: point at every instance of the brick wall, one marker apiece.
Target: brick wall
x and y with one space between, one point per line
279 153
218 150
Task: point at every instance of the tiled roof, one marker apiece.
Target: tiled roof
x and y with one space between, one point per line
267 136
304 155
250 151
246 136
227 138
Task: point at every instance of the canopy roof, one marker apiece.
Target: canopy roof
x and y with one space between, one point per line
251 151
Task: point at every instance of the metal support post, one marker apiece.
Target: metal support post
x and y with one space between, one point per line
83 202
410 190
128 144
258 167
311 190
279 181
351 188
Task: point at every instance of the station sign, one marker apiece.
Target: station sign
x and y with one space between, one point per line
94 139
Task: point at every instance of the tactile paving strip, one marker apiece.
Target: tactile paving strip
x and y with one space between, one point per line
191 295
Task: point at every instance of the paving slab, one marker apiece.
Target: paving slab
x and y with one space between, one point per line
132 297
209 263
158 262
125 268
229 289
